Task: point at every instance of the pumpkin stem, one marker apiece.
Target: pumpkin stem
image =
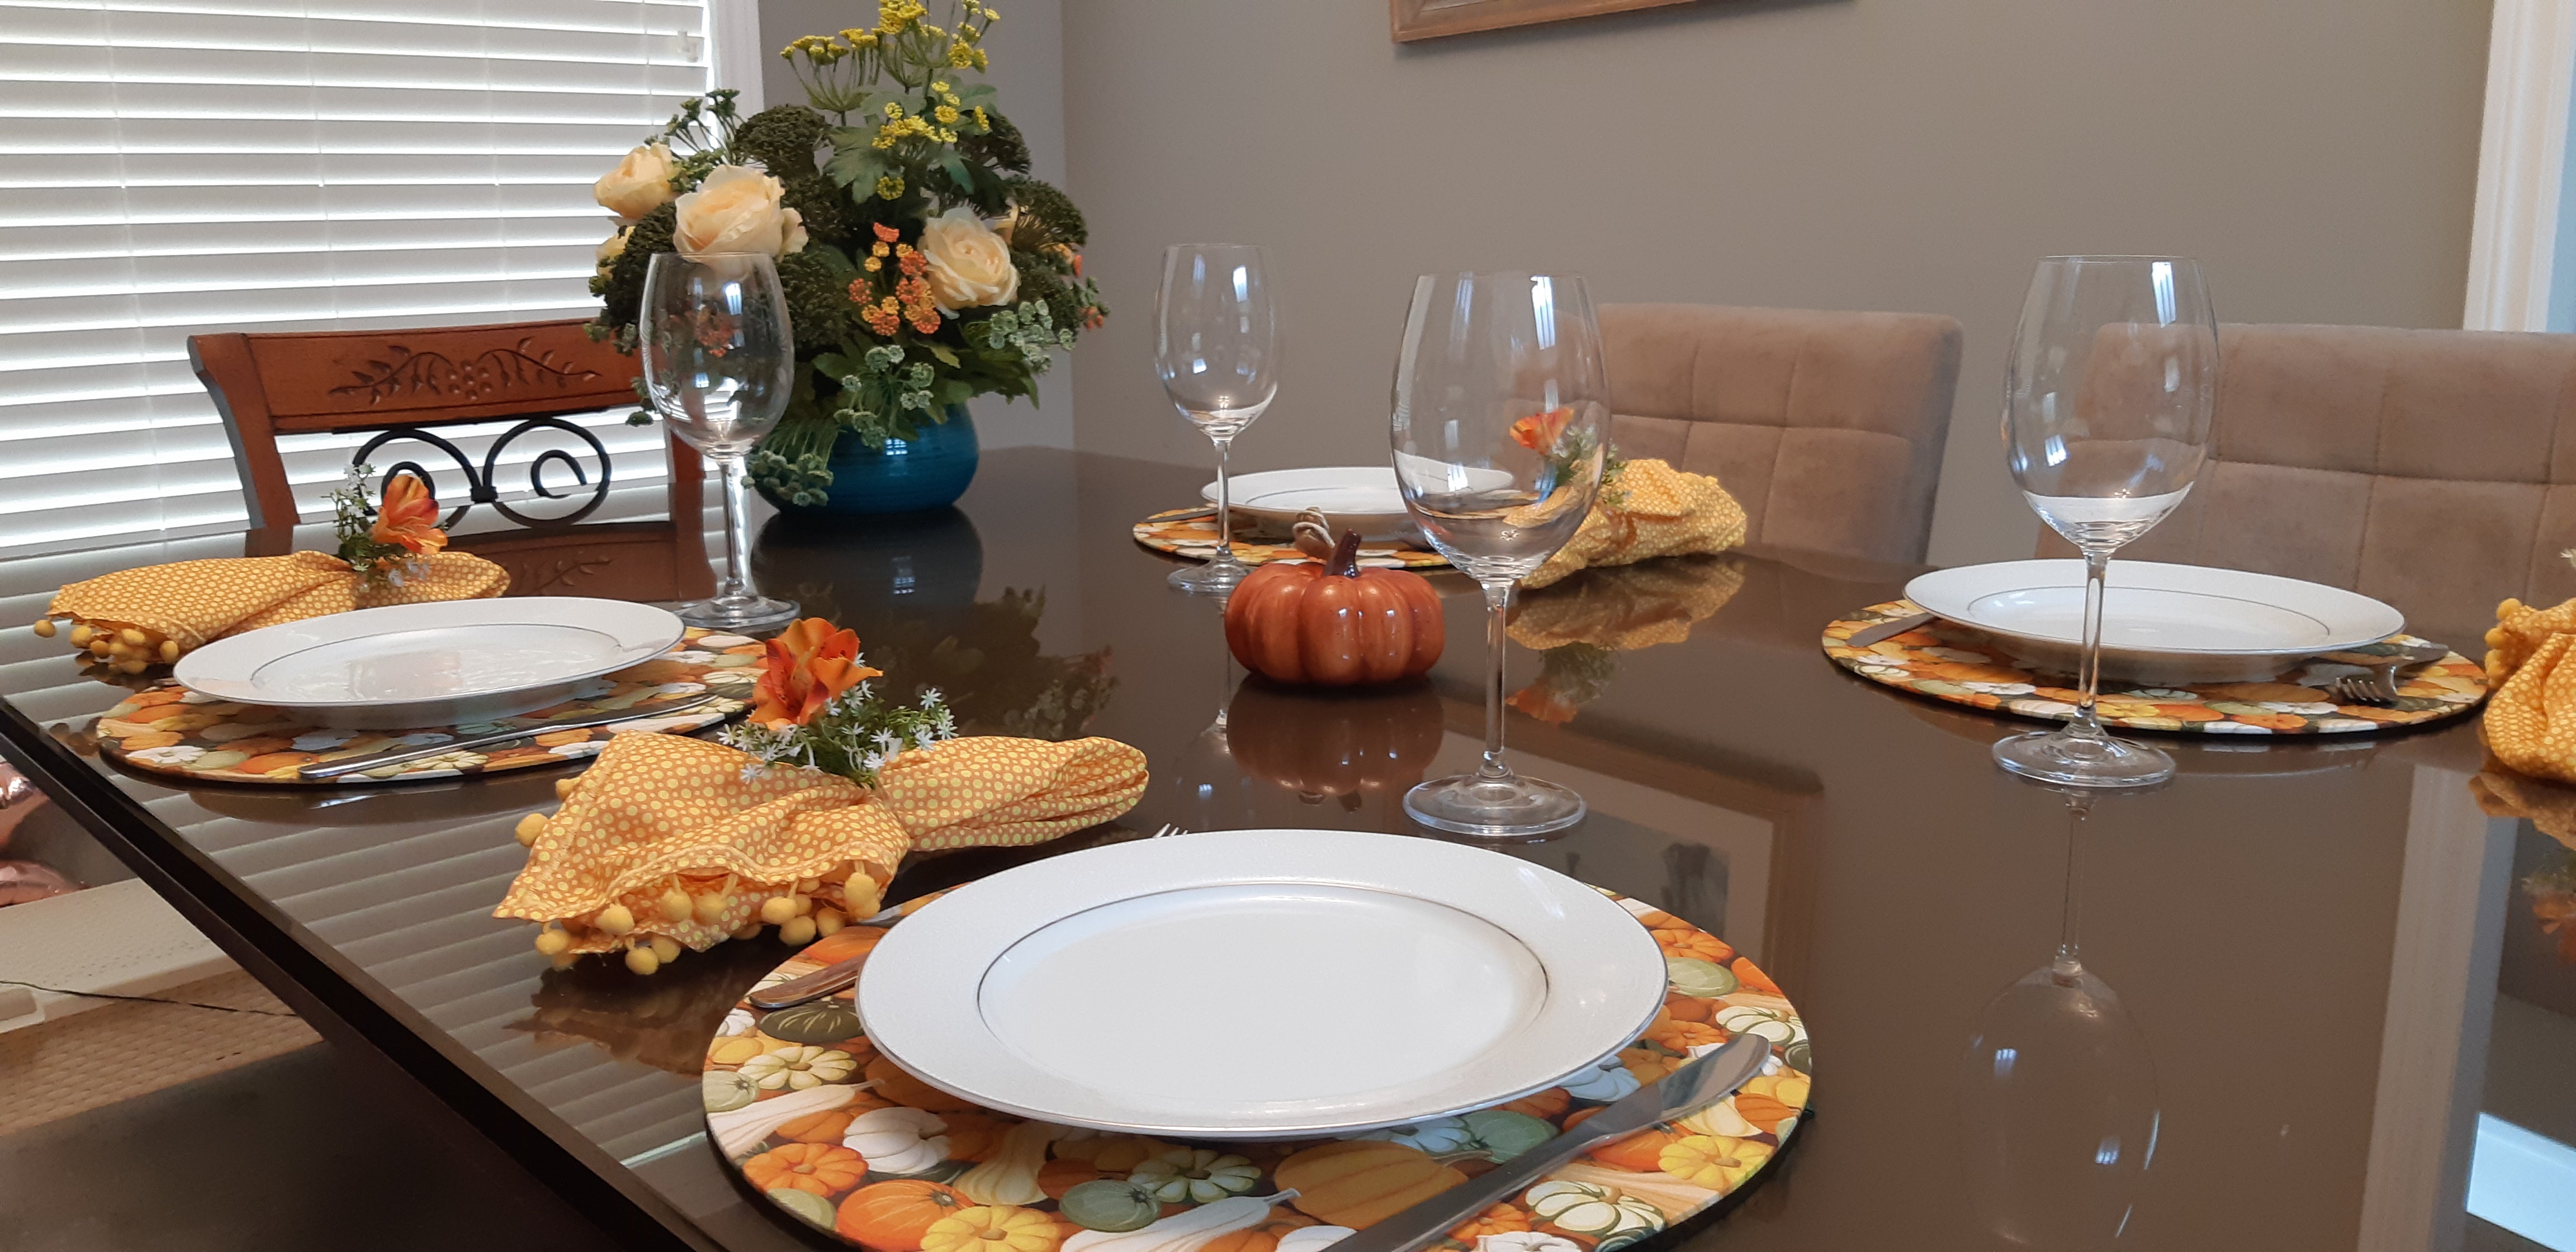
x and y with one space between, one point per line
1346 556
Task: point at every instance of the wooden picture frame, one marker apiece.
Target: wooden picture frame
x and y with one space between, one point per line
1431 19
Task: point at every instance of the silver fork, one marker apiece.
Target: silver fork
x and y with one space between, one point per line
2377 684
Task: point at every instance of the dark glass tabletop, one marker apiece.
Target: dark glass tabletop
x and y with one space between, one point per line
2338 992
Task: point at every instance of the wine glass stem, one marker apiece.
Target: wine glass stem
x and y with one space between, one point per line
737 579
1224 504
2097 565
1498 606
2068 964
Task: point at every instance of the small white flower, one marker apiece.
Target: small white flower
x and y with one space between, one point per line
929 697
888 743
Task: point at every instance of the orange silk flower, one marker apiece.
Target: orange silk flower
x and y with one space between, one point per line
1538 431
408 518
808 664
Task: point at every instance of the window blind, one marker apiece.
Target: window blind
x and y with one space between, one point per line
173 167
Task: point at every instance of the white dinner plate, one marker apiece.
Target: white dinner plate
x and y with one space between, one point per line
433 664
1260 984
2161 624
1353 497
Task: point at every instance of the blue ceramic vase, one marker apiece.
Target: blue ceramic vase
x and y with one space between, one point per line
907 476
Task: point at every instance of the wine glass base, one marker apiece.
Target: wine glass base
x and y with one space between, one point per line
1212 578
1471 804
737 614
2073 760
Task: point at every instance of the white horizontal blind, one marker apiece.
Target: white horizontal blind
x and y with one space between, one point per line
173 167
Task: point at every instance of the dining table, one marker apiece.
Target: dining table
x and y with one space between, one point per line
2323 946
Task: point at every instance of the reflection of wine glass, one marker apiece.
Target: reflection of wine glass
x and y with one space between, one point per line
1501 413
718 364
1218 355
2057 1095
2107 402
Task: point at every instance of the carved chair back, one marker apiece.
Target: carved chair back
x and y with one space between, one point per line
403 384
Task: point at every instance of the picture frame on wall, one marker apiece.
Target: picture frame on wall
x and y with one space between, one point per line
1430 19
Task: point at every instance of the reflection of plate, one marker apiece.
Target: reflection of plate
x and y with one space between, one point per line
1354 497
429 664
2165 624
1396 980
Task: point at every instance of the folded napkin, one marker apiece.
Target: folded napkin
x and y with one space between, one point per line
174 609
668 842
2530 722
1653 510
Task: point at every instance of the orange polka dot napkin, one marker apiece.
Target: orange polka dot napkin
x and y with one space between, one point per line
1652 510
693 842
2530 723
193 602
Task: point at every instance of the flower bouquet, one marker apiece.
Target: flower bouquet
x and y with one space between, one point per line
922 264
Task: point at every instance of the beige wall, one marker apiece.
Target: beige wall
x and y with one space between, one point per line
2317 155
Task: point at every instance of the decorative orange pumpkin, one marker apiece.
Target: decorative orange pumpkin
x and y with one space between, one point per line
972 1136
893 1216
1502 1219
823 1168
1338 744
1057 1177
1328 622
824 1127
1683 1036
1642 1151
1261 1238
1356 1182
1682 1008
1752 978
1544 1105
1683 940
902 1088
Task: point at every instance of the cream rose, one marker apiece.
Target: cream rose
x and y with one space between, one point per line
640 184
612 248
736 210
969 264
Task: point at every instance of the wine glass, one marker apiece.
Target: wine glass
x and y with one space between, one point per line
2107 401
2057 1097
1501 413
1216 348
718 363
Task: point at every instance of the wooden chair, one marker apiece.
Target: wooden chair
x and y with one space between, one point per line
2433 469
1826 427
410 382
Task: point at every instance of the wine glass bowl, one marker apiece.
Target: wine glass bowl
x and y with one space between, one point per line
719 362
2109 393
1499 433
1217 353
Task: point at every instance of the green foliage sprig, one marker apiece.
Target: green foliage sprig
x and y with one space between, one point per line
854 736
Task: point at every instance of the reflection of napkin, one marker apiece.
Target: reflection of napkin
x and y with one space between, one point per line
1580 624
691 841
192 602
2550 807
2530 722
1658 511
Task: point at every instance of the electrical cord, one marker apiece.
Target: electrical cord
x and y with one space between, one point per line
102 995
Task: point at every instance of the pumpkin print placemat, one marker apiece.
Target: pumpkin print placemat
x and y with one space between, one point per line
1192 533
1962 665
171 730
841 1139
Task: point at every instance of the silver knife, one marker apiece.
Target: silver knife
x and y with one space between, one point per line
813 986
1694 1086
1868 635
378 760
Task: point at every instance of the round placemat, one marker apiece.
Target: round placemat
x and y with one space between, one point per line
810 1116
1962 665
1192 533
171 730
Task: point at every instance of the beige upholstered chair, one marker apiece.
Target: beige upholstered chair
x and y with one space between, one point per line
1827 427
2433 469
